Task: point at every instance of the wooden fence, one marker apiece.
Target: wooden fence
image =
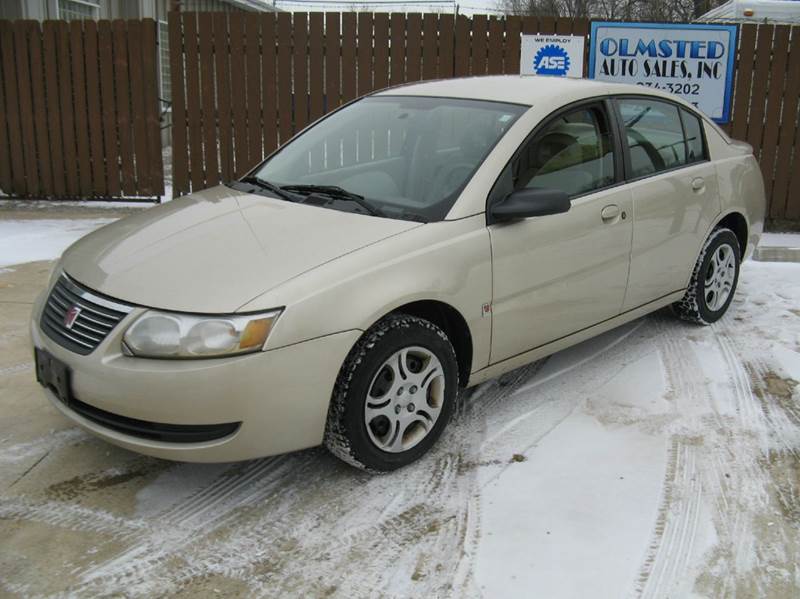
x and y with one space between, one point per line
79 113
243 84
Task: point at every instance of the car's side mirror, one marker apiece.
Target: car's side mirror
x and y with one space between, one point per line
528 202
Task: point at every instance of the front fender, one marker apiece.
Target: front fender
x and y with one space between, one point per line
447 261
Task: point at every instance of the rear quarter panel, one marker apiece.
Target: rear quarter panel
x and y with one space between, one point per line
741 185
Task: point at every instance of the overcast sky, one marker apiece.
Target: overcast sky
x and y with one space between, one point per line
445 6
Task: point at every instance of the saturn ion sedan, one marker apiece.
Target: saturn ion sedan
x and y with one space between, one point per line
415 242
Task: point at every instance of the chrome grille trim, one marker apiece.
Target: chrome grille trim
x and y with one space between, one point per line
97 318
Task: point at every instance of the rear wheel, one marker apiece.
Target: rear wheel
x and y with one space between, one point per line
714 279
394 394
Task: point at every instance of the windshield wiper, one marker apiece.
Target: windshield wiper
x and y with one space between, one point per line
336 193
264 184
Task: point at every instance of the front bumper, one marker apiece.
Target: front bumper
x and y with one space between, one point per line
280 396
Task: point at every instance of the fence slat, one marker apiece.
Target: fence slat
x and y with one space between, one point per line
39 113
478 45
744 80
253 82
462 47
123 96
193 113
495 62
413 46
755 125
769 145
110 142
364 53
28 148
96 156
512 47
547 25
5 153
348 57
316 66
284 76
81 115
16 176
53 114
155 164
236 22
564 26
397 72
381 58
67 108
205 28
269 120
446 45
430 60
332 56
300 63
790 112
138 107
223 86
788 132
180 151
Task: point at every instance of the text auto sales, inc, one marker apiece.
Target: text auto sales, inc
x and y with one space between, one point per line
663 58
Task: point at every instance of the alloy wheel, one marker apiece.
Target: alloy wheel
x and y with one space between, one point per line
405 399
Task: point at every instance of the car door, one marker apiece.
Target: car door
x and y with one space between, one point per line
555 275
675 194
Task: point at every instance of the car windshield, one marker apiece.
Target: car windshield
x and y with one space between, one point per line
405 157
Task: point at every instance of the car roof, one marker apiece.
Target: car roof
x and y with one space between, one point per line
520 89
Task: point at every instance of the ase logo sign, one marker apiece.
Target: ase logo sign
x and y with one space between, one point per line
551 60
554 55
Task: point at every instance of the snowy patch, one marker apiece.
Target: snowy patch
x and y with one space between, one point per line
783 240
32 240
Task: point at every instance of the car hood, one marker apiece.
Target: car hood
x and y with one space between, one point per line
213 251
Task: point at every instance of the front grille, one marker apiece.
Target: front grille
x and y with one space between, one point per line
96 318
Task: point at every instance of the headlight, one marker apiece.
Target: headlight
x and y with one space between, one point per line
172 335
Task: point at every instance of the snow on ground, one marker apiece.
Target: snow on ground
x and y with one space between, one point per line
657 460
41 239
785 240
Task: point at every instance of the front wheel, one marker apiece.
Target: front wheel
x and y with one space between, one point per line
394 394
714 279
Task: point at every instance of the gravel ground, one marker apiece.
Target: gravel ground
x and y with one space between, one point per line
658 460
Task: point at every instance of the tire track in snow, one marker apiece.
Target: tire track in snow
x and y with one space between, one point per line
179 526
667 558
308 511
42 445
451 482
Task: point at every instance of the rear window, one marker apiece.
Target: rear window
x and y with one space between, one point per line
693 129
654 136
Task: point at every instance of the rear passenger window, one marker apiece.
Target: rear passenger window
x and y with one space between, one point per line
692 128
654 135
572 154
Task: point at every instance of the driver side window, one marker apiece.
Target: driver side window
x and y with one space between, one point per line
572 154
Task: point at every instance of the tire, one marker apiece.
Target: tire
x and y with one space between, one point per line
713 283
394 394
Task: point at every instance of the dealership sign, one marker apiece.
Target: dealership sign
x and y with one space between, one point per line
692 61
556 55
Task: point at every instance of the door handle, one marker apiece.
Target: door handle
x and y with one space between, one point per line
609 213
698 184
